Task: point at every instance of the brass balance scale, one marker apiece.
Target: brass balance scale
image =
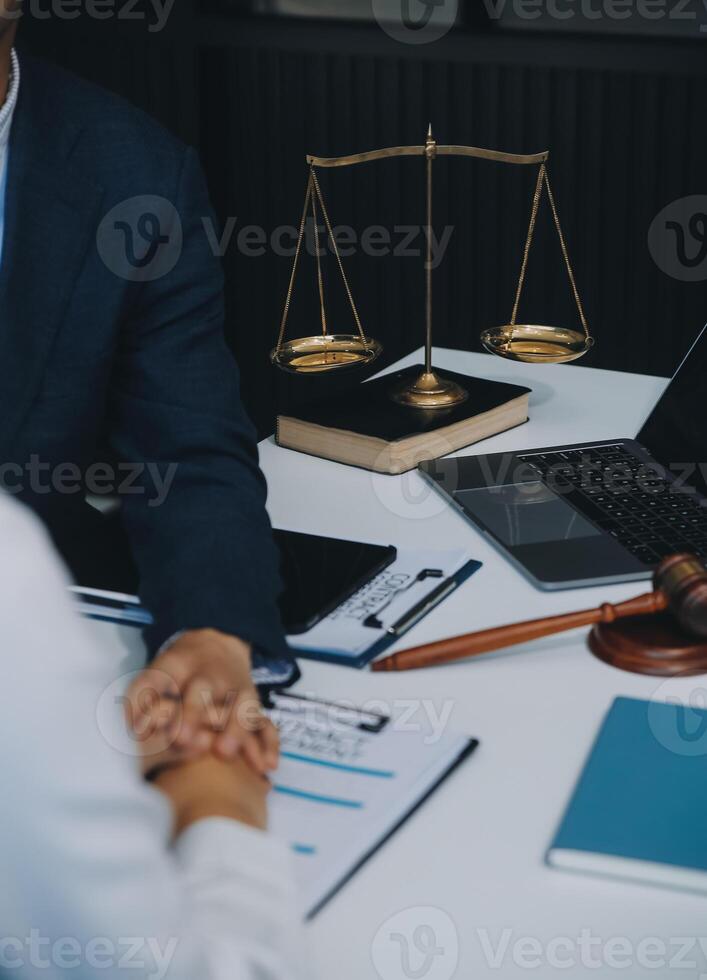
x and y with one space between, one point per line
530 343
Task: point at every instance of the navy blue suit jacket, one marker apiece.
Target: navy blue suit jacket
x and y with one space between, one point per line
108 363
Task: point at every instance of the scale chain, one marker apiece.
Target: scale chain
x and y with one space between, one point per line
565 253
293 276
317 252
544 182
528 244
325 213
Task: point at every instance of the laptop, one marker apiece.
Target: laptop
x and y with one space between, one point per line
597 512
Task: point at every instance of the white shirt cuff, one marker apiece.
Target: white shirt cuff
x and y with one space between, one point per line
220 843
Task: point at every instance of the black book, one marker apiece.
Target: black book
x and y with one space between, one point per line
365 427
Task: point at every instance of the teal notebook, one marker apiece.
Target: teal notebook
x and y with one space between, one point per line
639 810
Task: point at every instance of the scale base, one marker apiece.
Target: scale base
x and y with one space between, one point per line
430 391
652 645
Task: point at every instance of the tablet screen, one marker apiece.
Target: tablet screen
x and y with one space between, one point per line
321 573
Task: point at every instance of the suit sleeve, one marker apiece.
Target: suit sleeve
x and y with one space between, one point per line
197 522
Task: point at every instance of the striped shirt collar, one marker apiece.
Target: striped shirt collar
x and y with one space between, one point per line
8 109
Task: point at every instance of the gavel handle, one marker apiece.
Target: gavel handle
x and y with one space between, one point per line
486 641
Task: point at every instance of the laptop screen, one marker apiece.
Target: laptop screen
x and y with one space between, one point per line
676 431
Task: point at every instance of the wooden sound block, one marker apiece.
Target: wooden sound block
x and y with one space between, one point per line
649 645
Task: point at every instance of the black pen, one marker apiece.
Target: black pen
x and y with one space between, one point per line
424 606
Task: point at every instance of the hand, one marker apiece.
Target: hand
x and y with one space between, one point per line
211 787
157 731
199 696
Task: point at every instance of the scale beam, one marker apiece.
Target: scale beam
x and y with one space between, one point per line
496 156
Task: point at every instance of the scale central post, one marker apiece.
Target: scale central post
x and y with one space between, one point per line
429 390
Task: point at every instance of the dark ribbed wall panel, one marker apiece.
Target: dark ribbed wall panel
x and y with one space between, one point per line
623 119
156 74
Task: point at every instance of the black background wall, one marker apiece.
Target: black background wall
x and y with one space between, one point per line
622 115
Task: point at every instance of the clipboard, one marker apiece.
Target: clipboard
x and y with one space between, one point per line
364 627
359 630
348 780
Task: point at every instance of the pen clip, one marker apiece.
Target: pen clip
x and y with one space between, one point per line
341 714
423 607
374 621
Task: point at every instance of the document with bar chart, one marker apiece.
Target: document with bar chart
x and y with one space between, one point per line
347 781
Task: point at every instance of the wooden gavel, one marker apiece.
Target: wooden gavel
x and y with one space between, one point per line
680 588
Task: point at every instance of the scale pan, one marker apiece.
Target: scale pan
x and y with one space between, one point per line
325 352
535 344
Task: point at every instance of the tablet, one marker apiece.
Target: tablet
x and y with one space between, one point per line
320 573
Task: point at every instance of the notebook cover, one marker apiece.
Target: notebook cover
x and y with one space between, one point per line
643 792
368 409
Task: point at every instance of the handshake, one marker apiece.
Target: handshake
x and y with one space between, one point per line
204 740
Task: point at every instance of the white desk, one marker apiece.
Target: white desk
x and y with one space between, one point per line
475 851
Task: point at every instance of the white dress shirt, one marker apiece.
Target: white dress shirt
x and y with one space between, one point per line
7 112
90 885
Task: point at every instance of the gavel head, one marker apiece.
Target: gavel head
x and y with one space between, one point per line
682 579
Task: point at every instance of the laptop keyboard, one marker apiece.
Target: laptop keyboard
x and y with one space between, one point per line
628 499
